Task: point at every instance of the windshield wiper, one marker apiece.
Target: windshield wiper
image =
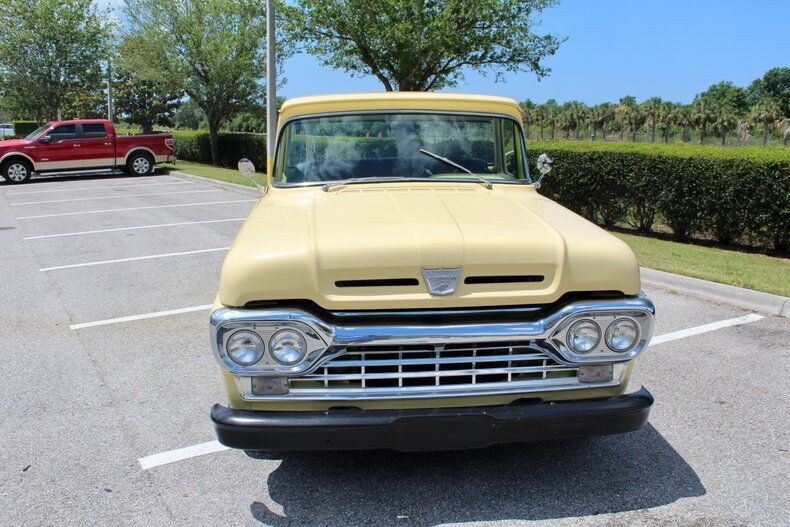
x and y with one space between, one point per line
443 159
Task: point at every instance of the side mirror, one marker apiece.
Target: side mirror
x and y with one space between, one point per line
543 163
247 169
45 140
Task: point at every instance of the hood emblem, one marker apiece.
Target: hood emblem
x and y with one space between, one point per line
441 282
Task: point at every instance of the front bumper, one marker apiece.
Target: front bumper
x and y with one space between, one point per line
429 429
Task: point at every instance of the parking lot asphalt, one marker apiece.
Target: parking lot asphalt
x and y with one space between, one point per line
96 401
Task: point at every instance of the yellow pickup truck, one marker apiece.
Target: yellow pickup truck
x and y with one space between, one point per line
401 284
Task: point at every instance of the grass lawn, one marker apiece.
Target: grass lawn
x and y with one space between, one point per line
223 174
752 271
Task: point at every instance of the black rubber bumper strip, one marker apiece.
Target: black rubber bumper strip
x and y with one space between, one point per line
429 429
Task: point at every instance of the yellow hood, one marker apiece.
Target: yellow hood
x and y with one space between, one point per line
298 244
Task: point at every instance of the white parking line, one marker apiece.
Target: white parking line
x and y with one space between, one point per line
175 182
178 224
134 259
135 208
144 316
705 328
210 447
180 454
116 197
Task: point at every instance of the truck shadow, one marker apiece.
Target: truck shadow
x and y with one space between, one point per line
532 481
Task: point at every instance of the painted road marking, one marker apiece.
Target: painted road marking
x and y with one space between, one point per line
211 447
136 208
705 328
179 454
175 182
178 224
117 197
144 316
134 259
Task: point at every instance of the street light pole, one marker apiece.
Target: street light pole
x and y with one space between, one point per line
271 83
109 90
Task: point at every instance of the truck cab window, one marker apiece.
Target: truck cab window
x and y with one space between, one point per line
66 131
93 131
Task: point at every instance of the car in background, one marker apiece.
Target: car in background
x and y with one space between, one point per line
82 146
6 130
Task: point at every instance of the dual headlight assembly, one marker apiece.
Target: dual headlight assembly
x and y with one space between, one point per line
286 346
604 337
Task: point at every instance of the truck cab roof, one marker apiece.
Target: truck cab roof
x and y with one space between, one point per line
399 101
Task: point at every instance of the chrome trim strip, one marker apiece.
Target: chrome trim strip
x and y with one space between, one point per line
337 337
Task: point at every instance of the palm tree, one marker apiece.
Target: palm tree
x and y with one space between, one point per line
600 117
725 121
651 108
551 112
683 116
528 112
765 112
630 114
665 119
703 112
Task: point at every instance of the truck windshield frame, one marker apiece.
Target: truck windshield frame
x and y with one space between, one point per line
384 146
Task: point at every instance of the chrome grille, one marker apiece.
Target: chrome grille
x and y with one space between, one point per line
401 371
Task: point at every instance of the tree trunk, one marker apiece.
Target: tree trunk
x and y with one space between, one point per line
214 139
593 132
147 127
577 130
702 134
603 132
633 134
622 133
552 132
723 138
526 130
541 133
654 131
765 133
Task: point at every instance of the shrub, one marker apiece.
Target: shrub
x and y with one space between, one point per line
24 128
727 193
196 147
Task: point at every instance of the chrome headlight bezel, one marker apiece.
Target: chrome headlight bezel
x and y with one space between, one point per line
267 365
602 352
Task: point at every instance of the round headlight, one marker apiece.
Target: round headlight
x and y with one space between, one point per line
245 347
287 346
622 334
583 336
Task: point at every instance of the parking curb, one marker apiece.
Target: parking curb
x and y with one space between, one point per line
216 183
765 303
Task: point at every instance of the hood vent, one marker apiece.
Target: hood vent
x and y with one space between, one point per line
512 279
384 282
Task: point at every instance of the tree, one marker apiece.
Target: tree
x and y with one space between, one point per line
766 112
600 117
189 116
651 109
209 49
703 113
775 84
50 55
551 113
631 115
422 45
528 110
683 116
140 101
665 116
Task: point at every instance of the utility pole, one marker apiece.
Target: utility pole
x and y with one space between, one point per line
271 83
109 90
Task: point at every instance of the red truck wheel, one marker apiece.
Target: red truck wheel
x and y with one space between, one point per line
140 164
17 171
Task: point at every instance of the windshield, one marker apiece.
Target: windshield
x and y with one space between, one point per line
38 131
387 146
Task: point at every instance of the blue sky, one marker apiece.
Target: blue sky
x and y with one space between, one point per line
673 49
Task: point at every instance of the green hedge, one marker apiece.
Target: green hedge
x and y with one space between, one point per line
730 194
24 128
196 147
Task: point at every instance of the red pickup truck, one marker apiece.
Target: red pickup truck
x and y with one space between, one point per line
82 146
